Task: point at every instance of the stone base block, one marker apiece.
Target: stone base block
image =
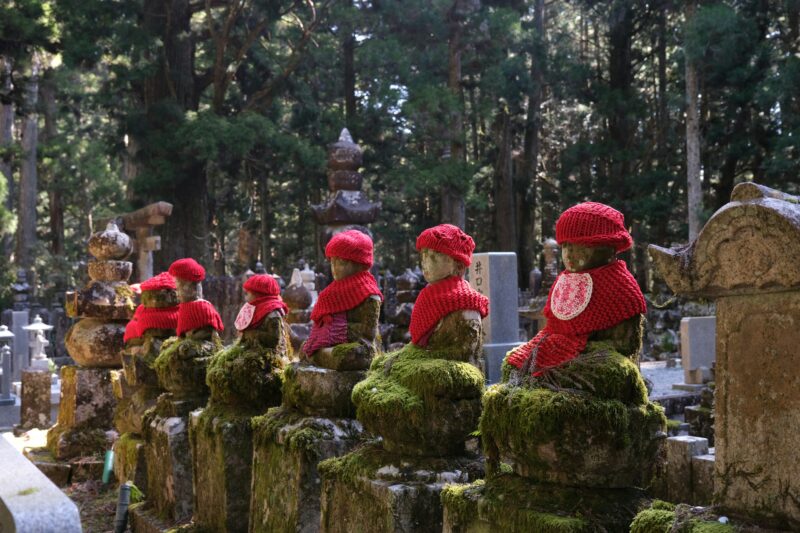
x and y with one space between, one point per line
85 413
703 479
317 391
87 469
508 502
371 490
35 402
129 460
169 467
130 411
58 473
143 519
288 447
222 451
679 453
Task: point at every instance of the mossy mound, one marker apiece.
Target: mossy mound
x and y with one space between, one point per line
300 433
419 403
347 356
245 376
181 365
509 502
571 438
667 518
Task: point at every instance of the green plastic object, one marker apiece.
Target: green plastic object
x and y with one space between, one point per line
108 466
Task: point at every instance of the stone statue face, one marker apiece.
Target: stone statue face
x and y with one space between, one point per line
342 268
437 266
162 298
188 291
249 296
578 258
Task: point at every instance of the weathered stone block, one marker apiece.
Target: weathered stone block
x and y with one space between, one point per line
702 479
181 365
130 412
698 348
371 490
87 469
317 391
287 447
85 413
169 467
222 451
512 503
93 342
35 404
58 473
679 452
129 461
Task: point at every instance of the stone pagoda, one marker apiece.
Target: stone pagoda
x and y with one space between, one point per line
95 342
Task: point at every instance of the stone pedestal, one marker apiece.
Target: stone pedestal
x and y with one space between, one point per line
35 407
169 467
129 460
747 257
222 452
374 491
84 414
288 446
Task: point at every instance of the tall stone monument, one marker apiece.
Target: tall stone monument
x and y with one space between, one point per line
347 206
747 258
95 342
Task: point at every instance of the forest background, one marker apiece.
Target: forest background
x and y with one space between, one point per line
491 114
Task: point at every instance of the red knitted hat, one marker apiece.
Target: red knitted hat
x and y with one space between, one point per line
593 224
262 284
196 314
449 240
352 245
187 269
163 281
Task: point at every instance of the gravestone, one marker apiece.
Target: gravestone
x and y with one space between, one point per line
494 275
19 319
698 348
747 258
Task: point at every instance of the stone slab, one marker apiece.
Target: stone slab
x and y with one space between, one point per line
130 462
679 452
58 473
698 348
294 504
29 501
222 452
703 479
143 519
87 469
35 406
20 343
169 467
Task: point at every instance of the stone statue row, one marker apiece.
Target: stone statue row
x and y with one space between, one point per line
345 437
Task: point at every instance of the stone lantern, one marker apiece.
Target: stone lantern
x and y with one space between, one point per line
37 330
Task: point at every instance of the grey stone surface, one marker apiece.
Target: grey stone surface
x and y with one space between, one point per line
20 344
702 479
29 502
35 408
494 274
169 467
698 348
680 451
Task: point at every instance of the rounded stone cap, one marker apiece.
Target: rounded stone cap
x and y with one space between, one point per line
110 243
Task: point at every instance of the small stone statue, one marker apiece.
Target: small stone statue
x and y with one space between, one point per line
425 398
181 365
248 372
345 331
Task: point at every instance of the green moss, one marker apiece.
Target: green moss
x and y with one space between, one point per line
505 370
181 364
244 376
28 492
298 432
340 351
127 446
137 495
653 521
662 505
625 337
698 526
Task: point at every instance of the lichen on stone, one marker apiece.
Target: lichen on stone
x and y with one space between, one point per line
245 376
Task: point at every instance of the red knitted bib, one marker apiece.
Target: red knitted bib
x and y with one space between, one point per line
197 314
438 300
151 318
251 314
579 304
345 294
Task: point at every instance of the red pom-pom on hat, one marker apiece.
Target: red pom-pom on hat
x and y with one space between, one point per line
352 245
187 269
262 284
593 224
163 281
449 240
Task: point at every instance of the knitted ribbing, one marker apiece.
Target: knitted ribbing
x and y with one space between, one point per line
197 314
449 240
330 331
615 297
593 224
260 308
438 300
163 281
345 294
352 245
187 269
262 284
132 327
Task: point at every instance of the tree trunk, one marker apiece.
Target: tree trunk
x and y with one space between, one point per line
526 182
694 186
348 50
620 82
661 115
6 141
505 226
26 232
266 244
54 188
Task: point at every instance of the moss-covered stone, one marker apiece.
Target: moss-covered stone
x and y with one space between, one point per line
181 364
420 403
363 340
571 438
245 376
317 391
653 521
625 337
288 446
511 503
169 466
667 518
129 460
222 451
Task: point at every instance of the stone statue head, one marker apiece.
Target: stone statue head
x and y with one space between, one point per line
342 268
437 266
578 257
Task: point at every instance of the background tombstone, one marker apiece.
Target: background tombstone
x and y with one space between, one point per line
6 337
494 275
747 257
698 348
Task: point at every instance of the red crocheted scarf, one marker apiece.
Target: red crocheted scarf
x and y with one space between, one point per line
151 318
345 294
579 304
438 300
198 314
253 313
